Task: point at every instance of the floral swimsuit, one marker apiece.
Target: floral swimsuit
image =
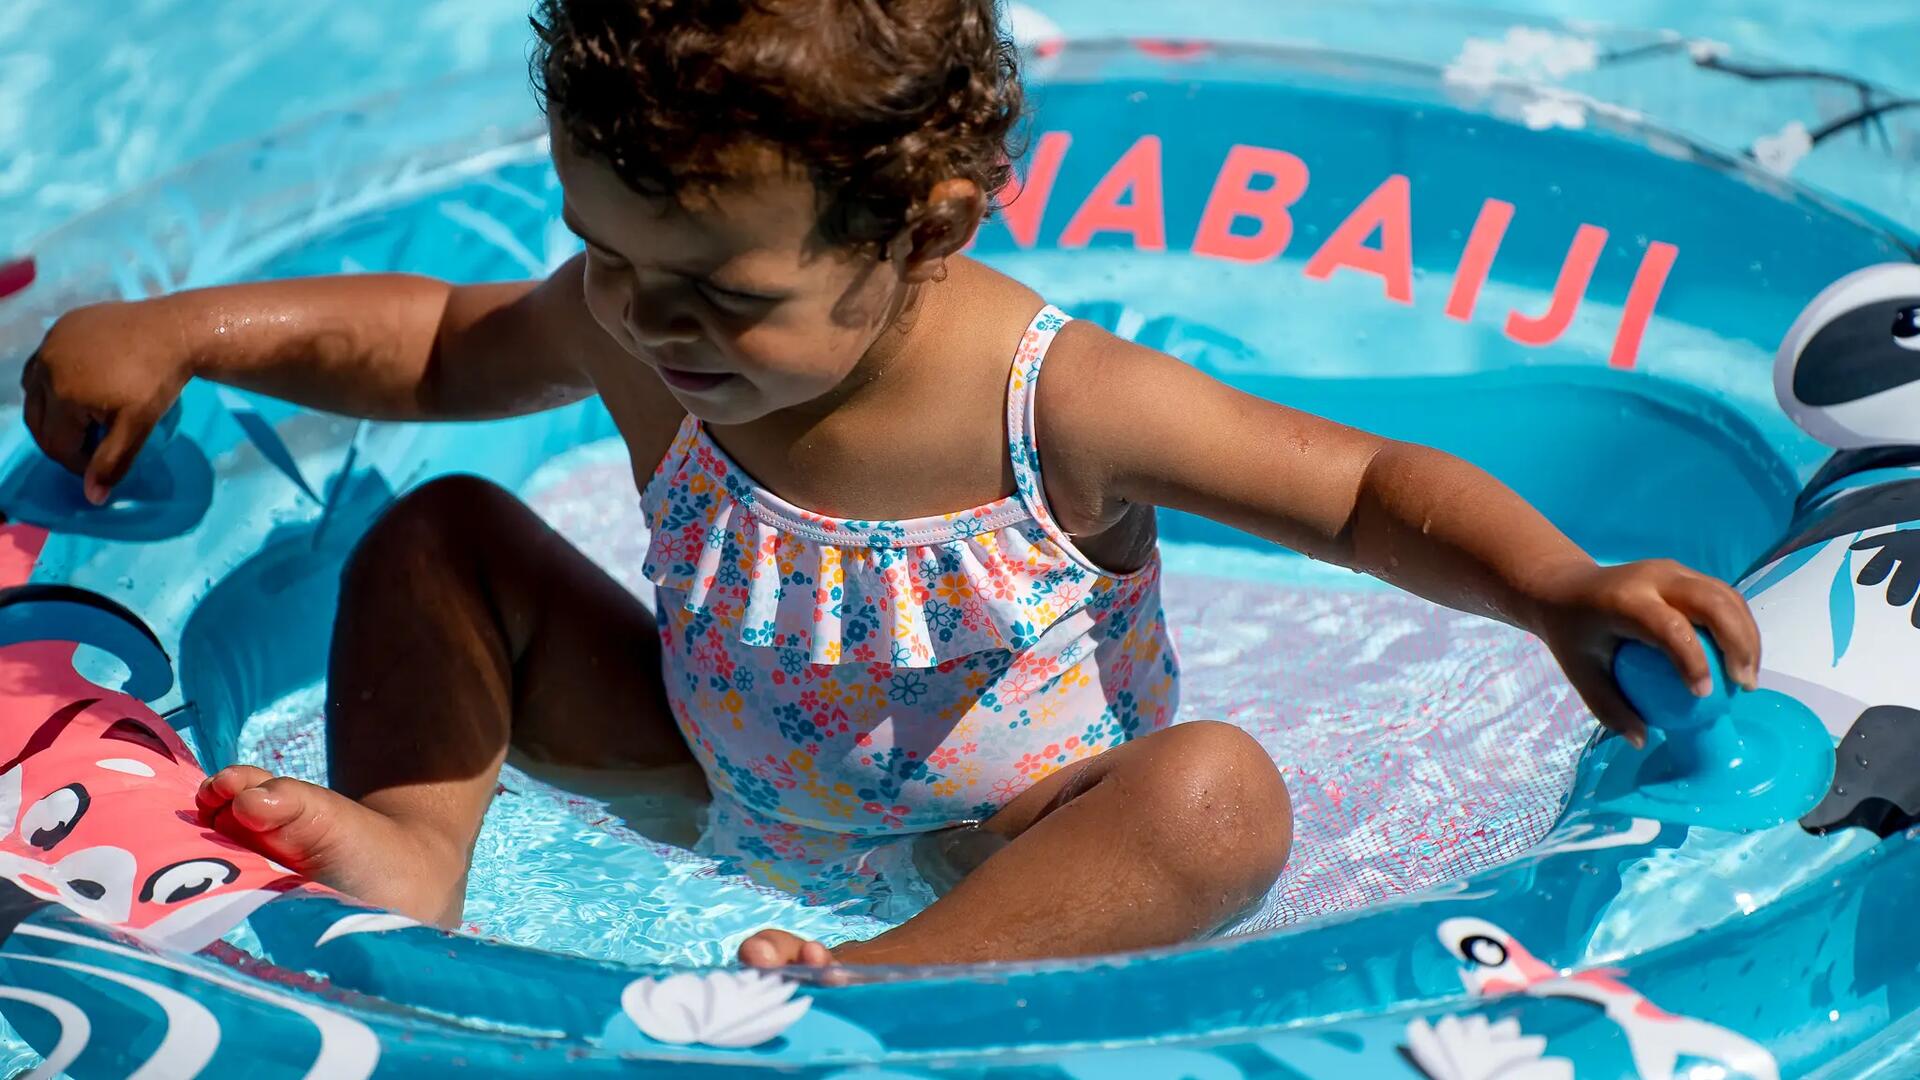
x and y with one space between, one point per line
869 678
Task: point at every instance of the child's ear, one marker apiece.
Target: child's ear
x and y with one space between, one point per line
945 227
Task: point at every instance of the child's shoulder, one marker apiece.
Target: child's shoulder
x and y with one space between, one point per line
1089 382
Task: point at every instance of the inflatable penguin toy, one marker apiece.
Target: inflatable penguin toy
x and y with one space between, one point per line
1838 601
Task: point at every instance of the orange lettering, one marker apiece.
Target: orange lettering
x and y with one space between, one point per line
1234 198
1023 201
1142 215
1645 293
1389 211
1575 273
1482 244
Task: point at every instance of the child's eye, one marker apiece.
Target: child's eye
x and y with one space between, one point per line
729 298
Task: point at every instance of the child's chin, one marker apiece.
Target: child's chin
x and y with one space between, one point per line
731 402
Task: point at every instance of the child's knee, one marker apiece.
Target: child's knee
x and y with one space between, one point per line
1219 804
432 524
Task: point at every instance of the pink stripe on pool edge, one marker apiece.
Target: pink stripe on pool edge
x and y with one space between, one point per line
15 276
1166 49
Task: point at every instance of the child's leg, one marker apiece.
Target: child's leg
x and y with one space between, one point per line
465 622
1152 843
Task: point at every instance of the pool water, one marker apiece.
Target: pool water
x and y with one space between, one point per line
91 106
1419 746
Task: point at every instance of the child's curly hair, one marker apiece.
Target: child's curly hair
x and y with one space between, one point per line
877 99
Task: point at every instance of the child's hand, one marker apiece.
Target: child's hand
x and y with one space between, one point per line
115 366
1586 613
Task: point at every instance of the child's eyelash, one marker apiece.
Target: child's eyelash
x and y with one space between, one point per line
721 295
713 294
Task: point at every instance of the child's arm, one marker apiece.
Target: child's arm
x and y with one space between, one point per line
1149 429
382 346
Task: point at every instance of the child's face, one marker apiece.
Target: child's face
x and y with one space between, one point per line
733 301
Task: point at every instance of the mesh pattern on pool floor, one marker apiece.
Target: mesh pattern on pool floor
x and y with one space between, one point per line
1419 746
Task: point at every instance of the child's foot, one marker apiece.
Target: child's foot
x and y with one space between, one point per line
328 837
778 949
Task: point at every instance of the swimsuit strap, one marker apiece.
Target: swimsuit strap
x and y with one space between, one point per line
1022 386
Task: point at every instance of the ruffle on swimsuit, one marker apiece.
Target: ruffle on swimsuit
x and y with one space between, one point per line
913 593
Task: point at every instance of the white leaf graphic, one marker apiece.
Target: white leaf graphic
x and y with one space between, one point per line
1554 110
1780 152
1471 1048
733 1009
364 922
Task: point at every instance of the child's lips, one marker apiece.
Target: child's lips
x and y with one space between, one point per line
693 381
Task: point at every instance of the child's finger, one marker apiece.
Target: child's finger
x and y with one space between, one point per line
1670 630
115 454
1597 688
1725 613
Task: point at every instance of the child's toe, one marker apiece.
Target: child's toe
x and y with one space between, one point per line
274 804
775 949
231 781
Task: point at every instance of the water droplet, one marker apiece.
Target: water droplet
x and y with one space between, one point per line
124 582
1334 963
1860 761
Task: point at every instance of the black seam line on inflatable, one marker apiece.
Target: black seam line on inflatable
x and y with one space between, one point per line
1893 503
45 592
1869 113
1845 463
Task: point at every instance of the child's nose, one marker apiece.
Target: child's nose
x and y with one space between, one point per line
654 322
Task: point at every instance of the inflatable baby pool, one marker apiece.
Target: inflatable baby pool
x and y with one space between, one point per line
1671 350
